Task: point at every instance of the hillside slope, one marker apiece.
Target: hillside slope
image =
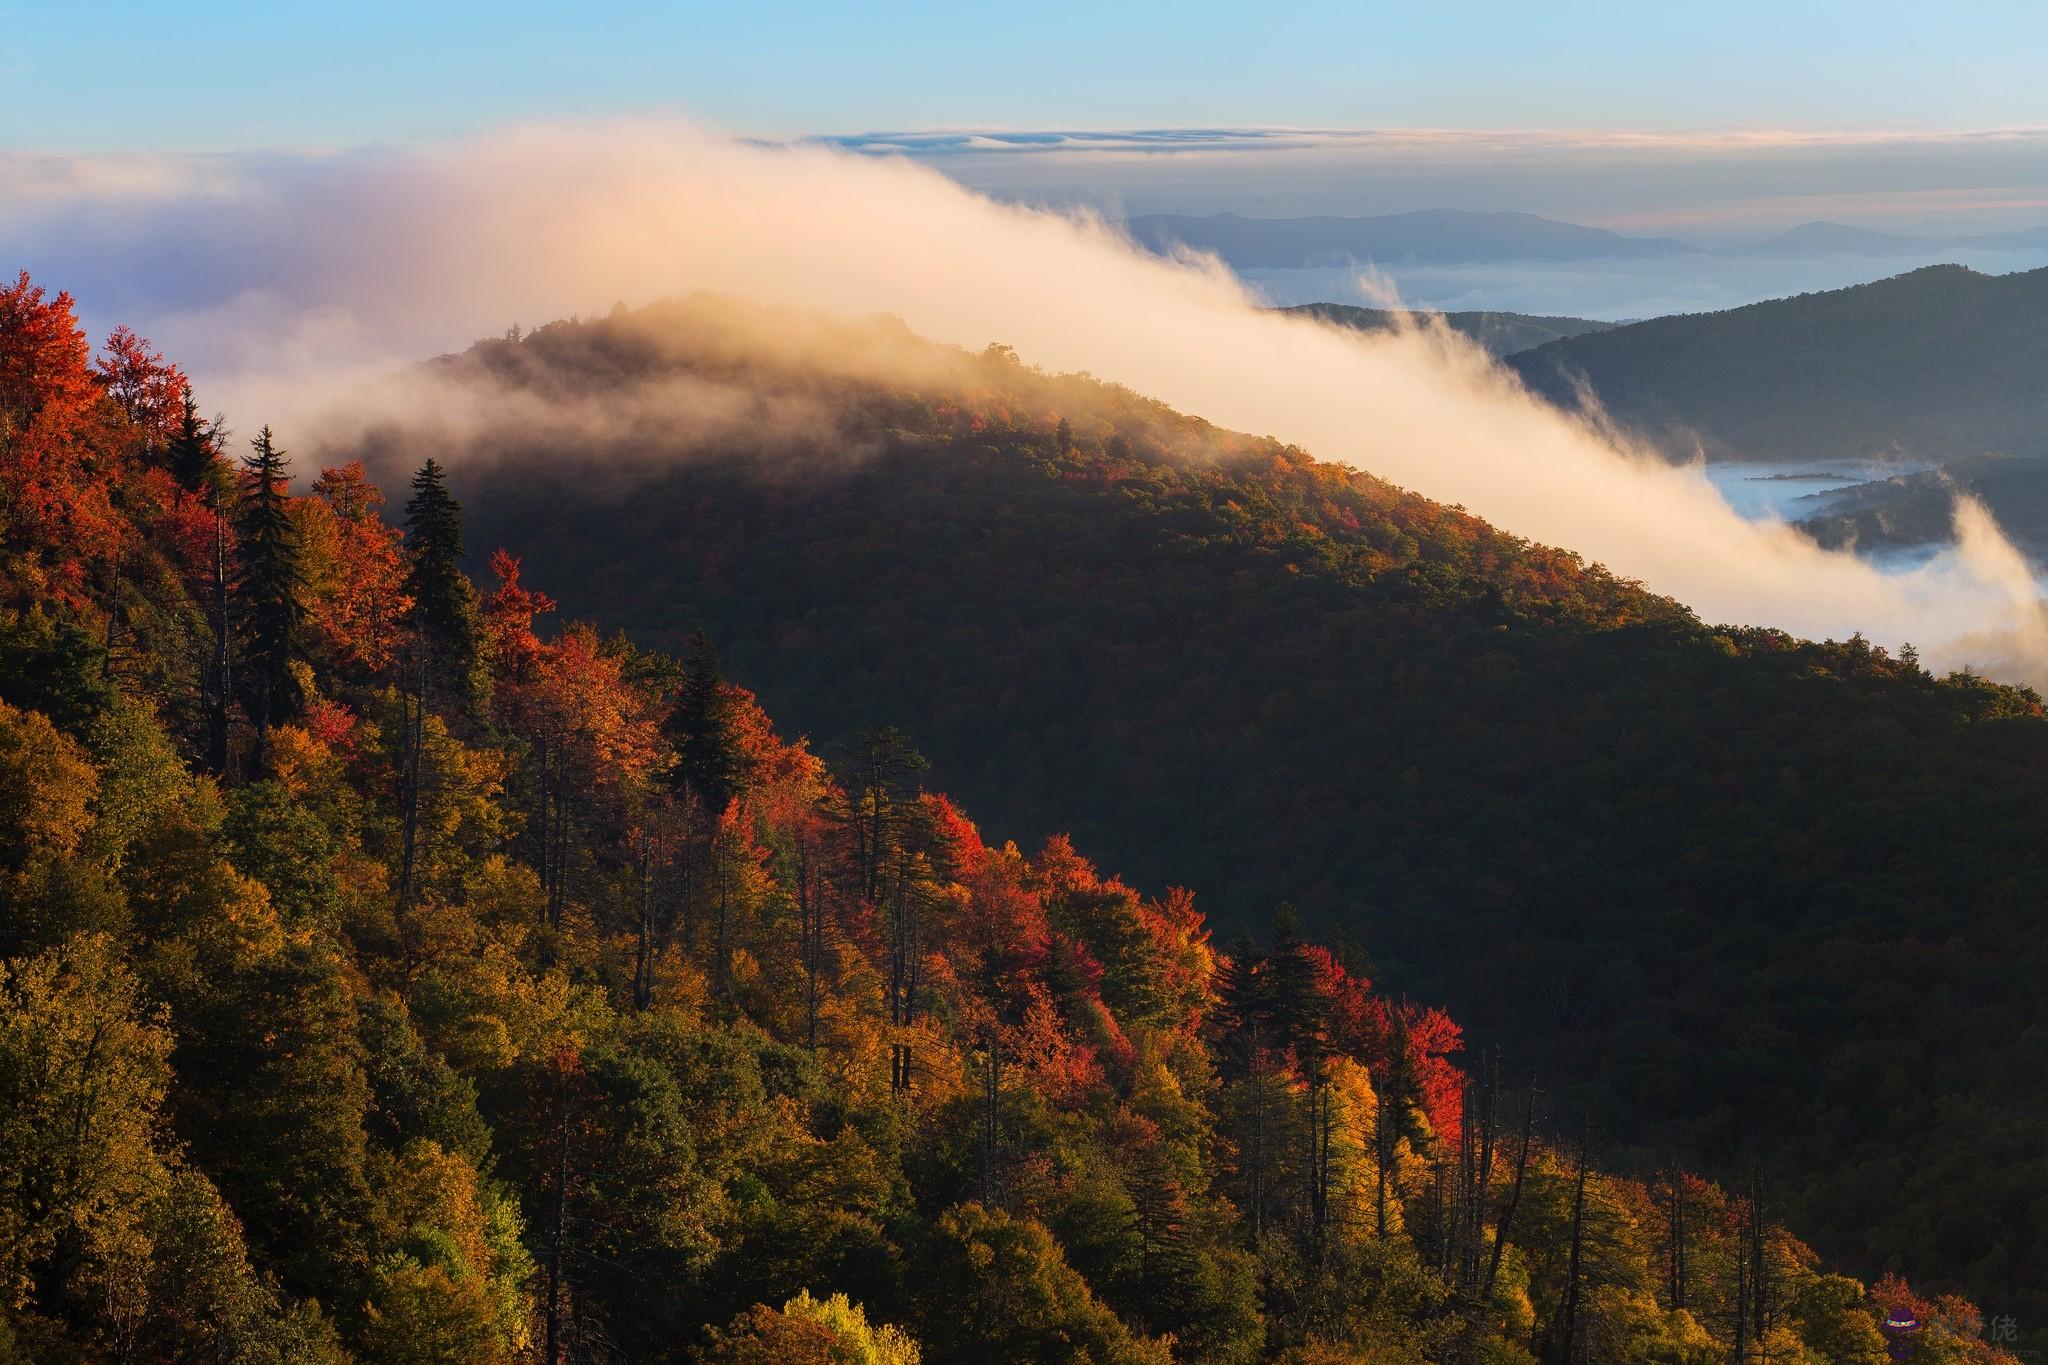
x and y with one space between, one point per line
1935 365
430 987
1755 898
1907 511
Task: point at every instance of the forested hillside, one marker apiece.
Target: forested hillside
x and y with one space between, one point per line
389 972
1918 509
1742 896
1935 365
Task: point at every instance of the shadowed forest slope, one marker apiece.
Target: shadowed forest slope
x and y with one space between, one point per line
1746 896
392 973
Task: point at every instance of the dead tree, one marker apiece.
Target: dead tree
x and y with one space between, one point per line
1675 1239
810 909
218 684
991 1119
1321 1129
1759 1264
1567 1331
1504 1226
1488 1117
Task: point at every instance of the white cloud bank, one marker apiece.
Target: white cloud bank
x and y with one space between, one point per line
291 276
1714 189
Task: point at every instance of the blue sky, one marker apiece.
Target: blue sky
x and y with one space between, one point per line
127 77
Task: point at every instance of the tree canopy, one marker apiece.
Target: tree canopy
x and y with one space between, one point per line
455 1027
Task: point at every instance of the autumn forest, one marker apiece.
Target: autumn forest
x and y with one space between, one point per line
399 968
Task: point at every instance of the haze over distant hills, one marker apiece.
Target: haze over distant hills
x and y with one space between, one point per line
1449 261
1840 239
1935 365
1427 237
1464 237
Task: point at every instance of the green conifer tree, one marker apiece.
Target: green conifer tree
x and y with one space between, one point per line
444 603
266 587
702 729
195 449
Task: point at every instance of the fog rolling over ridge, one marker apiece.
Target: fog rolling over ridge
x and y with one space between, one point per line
302 275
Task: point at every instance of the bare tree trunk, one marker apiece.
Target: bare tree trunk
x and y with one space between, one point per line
721 949
1759 1297
1321 1119
1482 1179
558 891
412 715
1383 1156
1258 1153
902 969
543 839
991 1121
1569 1312
1507 1213
1676 1218
222 684
558 1216
810 907
688 891
1741 1306
877 799
643 948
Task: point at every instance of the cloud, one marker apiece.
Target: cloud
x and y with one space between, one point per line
1192 141
29 180
1725 185
320 271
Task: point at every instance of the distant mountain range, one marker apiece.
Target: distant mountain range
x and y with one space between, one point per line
1463 237
1941 366
1502 334
1428 237
1839 239
1936 365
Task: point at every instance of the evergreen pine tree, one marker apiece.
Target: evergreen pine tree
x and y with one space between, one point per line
444 604
266 588
445 660
701 728
883 763
192 455
1288 994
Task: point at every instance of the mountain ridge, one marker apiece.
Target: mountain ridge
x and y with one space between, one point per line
1937 364
1822 237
